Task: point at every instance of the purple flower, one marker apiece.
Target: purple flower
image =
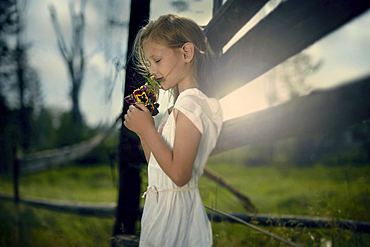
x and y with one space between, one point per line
153 108
138 91
152 97
141 97
130 99
146 95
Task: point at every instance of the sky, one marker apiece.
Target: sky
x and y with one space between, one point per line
345 54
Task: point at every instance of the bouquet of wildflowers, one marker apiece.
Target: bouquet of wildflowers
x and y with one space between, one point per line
146 95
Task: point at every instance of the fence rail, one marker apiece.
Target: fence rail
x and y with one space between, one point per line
319 112
286 31
56 157
103 210
229 19
108 211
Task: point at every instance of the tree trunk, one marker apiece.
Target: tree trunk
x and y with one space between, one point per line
73 55
130 156
20 52
76 113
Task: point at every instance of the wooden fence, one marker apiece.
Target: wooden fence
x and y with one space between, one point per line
105 210
53 158
287 30
322 111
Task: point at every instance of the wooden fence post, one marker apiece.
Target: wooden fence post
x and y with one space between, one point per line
15 174
216 5
129 155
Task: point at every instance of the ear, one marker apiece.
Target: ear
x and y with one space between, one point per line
188 52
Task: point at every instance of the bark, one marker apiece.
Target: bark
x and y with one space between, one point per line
130 157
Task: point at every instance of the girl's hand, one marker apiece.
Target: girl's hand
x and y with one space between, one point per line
138 119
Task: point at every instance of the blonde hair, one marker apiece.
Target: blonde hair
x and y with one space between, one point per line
173 32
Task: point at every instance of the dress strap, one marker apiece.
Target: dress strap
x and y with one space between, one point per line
156 191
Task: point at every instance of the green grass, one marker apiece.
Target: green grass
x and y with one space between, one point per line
318 191
73 183
342 192
22 225
303 191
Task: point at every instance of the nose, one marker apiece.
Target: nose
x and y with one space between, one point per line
152 70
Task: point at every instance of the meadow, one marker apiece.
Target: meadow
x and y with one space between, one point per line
334 192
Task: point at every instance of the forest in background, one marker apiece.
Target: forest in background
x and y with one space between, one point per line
27 125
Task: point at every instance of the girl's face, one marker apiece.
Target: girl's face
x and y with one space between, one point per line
169 66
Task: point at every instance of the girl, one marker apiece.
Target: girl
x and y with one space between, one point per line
175 50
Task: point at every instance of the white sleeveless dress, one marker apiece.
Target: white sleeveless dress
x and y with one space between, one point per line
175 216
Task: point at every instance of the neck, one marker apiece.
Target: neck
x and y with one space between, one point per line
186 84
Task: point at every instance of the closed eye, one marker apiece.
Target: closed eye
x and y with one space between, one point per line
157 61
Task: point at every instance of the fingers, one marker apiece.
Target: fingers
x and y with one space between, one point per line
131 108
142 107
125 120
137 115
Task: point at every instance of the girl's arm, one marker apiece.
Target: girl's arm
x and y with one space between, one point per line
145 148
177 163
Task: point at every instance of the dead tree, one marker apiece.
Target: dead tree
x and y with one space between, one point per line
73 55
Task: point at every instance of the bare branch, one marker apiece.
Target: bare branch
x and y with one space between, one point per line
58 31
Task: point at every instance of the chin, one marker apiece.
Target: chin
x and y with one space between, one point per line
163 87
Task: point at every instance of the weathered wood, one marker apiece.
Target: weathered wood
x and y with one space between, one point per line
247 203
125 240
129 154
15 174
103 210
53 158
216 6
319 112
241 221
228 20
294 221
291 27
108 210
